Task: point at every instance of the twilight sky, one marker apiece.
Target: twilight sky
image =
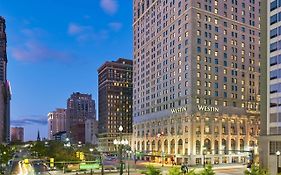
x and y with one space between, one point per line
55 48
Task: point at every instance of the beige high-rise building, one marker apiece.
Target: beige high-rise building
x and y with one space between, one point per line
56 122
196 77
270 140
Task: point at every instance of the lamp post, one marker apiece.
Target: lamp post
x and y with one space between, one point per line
278 154
91 150
129 152
120 143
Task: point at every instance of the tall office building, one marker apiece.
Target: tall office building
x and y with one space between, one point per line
270 140
56 122
80 107
196 80
17 134
115 101
5 95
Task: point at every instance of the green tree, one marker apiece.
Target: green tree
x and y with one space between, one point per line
151 170
256 170
208 170
174 171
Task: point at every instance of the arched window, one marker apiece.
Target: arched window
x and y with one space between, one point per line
172 151
166 146
180 147
153 146
242 144
233 145
223 144
207 144
159 146
216 147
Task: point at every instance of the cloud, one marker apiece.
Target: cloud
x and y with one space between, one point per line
33 51
116 26
30 120
109 6
74 29
84 33
32 48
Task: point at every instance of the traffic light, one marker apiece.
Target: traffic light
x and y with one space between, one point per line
52 161
77 154
82 157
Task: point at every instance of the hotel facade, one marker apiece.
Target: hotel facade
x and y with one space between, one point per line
196 71
270 140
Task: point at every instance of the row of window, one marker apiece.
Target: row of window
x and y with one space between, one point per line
274 146
275 88
275 46
275 117
275 32
275 4
275 130
275 60
275 74
274 102
275 18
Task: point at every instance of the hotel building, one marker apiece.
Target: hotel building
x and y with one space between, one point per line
5 92
196 71
115 102
270 140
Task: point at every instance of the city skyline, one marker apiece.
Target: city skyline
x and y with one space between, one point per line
61 41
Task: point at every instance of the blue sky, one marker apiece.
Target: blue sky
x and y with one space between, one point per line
55 48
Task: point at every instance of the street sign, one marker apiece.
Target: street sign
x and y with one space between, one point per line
89 166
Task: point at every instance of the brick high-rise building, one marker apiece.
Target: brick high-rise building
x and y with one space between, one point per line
270 140
196 80
80 107
5 94
115 101
56 122
17 134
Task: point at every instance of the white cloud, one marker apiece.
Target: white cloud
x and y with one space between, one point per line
109 6
116 26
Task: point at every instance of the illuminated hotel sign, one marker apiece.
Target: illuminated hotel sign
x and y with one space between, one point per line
207 108
179 110
200 108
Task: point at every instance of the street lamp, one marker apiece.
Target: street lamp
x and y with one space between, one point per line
120 143
91 150
129 152
278 154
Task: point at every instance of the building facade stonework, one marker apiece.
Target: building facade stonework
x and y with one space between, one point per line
196 77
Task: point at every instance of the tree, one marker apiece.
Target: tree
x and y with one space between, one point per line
256 170
151 170
208 170
174 171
